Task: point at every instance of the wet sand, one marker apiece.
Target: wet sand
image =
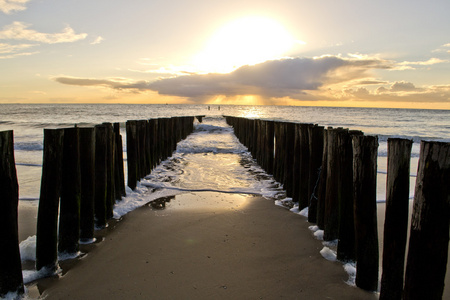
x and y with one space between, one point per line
206 246
27 218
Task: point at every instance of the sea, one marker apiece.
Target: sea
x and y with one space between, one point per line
211 158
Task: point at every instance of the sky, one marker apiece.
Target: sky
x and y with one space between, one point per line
354 53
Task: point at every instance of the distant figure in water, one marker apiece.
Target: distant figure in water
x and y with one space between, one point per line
219 107
209 108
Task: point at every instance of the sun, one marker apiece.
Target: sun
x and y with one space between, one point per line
244 41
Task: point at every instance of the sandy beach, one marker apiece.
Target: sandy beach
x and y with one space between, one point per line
205 246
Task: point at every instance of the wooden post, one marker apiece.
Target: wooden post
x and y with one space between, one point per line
110 171
429 235
270 146
100 176
148 147
278 164
87 161
331 217
132 154
304 167
296 164
166 138
153 123
365 205
120 176
10 264
139 144
289 157
346 245
396 220
47 220
69 213
321 194
315 157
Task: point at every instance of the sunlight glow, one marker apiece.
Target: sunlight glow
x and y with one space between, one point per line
244 41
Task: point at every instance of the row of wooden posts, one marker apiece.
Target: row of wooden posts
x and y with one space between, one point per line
333 172
82 178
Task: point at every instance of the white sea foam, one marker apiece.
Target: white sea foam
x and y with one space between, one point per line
28 248
319 235
304 212
328 254
350 268
32 275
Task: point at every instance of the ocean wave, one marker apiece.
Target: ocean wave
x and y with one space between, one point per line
29 146
28 164
180 189
214 150
61 124
415 139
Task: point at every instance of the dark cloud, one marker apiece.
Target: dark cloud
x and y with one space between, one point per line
114 83
402 91
403 86
271 79
294 78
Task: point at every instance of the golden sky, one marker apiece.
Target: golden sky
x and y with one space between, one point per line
286 52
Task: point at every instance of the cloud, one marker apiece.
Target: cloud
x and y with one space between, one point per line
403 86
327 78
371 82
272 79
20 31
9 6
443 48
8 51
98 40
401 91
431 61
292 78
122 84
8 48
17 55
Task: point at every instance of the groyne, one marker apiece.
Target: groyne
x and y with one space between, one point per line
332 172
82 178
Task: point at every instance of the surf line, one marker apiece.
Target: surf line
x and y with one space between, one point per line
149 185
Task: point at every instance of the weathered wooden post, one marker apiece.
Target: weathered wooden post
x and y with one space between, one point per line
10 264
289 135
296 165
279 152
365 210
429 235
87 162
139 144
120 176
143 147
270 146
132 154
148 147
100 176
346 245
47 220
321 194
69 213
166 137
331 225
153 123
396 220
110 170
315 157
304 167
